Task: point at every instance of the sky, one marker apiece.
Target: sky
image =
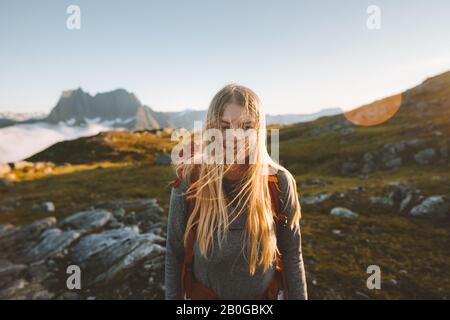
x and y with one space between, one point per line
298 56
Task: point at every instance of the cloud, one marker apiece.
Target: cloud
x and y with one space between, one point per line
24 140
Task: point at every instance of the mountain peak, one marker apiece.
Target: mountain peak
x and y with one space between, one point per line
77 106
70 93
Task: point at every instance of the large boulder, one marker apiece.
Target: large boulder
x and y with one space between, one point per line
110 257
94 243
16 241
435 206
87 220
10 271
343 212
4 169
425 156
52 242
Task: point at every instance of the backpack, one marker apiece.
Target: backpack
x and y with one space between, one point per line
193 289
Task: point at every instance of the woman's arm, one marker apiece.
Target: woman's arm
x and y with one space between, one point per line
174 245
290 244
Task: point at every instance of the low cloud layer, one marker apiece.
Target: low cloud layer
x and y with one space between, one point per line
24 140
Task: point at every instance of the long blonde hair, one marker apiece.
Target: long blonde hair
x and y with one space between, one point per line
211 205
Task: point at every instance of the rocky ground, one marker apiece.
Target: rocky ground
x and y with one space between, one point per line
120 256
397 197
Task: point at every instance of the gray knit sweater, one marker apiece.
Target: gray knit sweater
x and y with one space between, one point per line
226 270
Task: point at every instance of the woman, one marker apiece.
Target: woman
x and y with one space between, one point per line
235 243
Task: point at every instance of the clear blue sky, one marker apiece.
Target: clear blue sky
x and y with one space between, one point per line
299 56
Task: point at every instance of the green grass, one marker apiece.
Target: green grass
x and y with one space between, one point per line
81 186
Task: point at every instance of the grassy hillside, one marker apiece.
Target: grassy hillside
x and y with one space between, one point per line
113 146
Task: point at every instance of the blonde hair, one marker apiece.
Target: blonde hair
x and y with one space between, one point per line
210 204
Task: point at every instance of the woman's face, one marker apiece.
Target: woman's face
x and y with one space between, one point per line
236 117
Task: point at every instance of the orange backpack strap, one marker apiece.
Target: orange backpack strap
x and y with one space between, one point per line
275 195
178 179
186 272
280 221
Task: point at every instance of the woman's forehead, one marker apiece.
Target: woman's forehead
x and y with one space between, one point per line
236 113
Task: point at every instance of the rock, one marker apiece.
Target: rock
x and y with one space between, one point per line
52 241
39 271
343 212
18 240
349 168
315 182
48 170
411 198
144 251
391 283
87 220
346 131
7 268
367 167
368 157
21 289
42 295
69 295
119 256
10 271
92 244
13 288
5 227
361 296
150 215
395 147
11 176
331 294
439 178
393 163
114 224
21 165
314 199
404 196
444 152
4 169
119 213
385 202
425 156
44 207
163 159
5 183
435 206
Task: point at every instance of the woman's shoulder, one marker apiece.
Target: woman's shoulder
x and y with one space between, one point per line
182 179
283 176
288 189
